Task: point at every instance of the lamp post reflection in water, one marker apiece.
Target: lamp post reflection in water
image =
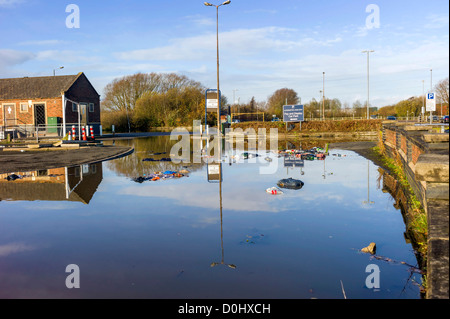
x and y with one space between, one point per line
222 262
368 201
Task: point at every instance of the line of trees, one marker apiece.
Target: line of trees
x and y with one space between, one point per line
413 106
144 101
141 101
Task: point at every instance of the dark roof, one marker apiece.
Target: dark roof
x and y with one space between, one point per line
36 87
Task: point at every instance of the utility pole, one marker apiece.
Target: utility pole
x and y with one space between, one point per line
323 98
217 35
423 101
368 87
431 90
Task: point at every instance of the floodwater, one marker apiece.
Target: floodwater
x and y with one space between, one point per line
193 237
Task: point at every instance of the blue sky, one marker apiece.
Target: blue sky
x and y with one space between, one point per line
264 45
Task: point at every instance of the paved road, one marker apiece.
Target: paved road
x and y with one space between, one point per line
12 161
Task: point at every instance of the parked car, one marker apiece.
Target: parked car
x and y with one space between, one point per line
275 119
435 118
391 118
444 119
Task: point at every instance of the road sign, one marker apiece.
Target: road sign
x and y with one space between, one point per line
211 100
292 161
293 113
214 172
431 102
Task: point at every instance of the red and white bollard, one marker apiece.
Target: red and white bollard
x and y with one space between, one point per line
92 133
74 135
84 134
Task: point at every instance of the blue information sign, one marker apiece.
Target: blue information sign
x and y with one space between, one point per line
293 113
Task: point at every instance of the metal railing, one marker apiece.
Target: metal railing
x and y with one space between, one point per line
42 131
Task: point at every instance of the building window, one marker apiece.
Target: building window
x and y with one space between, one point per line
74 107
91 107
23 107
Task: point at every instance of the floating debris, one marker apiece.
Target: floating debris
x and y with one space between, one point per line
372 248
165 159
290 183
247 155
156 176
315 153
252 239
274 191
13 177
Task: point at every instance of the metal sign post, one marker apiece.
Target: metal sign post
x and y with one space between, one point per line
293 113
431 104
211 103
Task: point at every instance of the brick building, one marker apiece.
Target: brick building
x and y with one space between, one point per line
49 103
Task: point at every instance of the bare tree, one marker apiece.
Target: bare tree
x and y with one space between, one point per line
122 94
442 90
279 98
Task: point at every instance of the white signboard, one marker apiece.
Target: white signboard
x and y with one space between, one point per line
431 102
211 103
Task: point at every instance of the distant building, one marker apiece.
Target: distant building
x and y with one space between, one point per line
52 103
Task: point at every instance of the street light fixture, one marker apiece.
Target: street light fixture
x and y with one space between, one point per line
54 70
218 79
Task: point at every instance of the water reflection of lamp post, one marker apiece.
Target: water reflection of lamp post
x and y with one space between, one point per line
324 171
222 262
368 201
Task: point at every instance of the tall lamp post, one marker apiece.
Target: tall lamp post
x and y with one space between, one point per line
368 53
54 70
218 85
323 98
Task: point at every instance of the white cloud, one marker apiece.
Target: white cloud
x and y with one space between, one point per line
240 42
11 58
42 42
200 20
436 21
362 32
10 3
12 248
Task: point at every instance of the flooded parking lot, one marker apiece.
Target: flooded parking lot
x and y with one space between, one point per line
192 236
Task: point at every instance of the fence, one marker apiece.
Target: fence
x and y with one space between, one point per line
46 130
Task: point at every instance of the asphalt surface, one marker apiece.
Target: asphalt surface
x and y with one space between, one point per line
17 161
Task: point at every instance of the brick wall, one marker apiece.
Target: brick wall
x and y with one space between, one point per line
403 144
416 151
53 109
390 136
82 91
